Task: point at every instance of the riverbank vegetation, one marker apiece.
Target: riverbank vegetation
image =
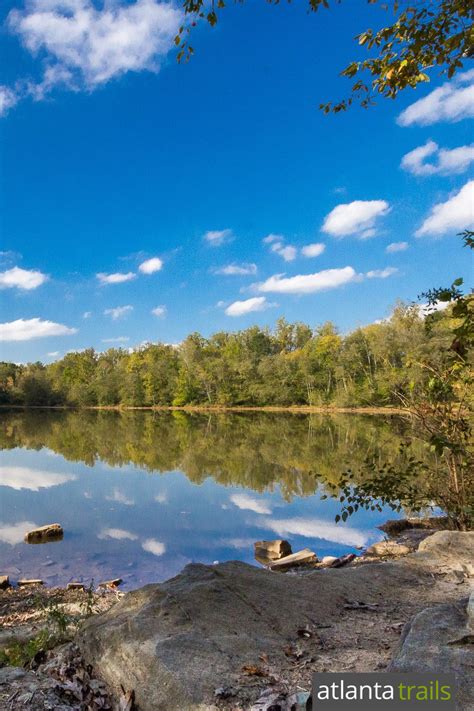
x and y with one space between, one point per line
293 364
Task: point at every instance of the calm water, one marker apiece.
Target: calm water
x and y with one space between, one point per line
142 494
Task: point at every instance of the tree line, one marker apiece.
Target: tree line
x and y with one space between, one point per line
292 364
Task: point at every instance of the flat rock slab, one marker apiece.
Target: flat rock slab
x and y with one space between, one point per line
438 640
210 627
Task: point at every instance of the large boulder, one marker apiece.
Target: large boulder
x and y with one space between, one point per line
439 639
454 549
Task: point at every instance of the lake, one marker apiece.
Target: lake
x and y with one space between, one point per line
140 494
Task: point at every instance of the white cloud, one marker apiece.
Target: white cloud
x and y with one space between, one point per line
443 160
237 269
27 329
115 278
159 311
381 273
25 279
85 46
357 217
8 99
316 528
32 479
250 503
161 498
150 266
396 247
239 308
87 314
118 534
217 237
308 283
313 250
53 354
277 245
118 312
451 102
118 339
153 546
15 533
120 498
455 214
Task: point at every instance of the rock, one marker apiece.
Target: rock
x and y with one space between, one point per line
24 582
470 612
4 582
302 557
273 550
328 561
453 548
44 534
75 586
343 560
111 583
435 641
388 548
394 527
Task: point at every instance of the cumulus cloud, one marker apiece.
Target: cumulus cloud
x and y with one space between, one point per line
28 329
14 533
237 269
442 160
381 273
316 528
313 250
277 245
218 237
308 283
159 311
396 247
25 279
85 46
153 546
118 534
118 312
8 99
250 503
115 278
32 479
239 308
120 498
455 214
357 217
451 102
150 266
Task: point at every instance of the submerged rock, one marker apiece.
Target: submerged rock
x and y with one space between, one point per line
44 534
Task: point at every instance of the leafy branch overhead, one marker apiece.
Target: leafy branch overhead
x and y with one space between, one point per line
422 35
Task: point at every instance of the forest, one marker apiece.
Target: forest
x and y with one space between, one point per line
292 364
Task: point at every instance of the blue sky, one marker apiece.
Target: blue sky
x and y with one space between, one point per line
113 155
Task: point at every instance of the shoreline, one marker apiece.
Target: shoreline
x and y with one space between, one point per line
290 409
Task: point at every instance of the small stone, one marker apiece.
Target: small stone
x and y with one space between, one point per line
75 586
388 548
4 582
274 550
328 561
302 557
343 560
50 532
111 583
25 582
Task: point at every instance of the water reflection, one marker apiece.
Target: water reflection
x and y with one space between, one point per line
141 494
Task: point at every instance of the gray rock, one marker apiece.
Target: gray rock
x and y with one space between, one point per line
44 534
453 548
437 640
388 548
328 560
